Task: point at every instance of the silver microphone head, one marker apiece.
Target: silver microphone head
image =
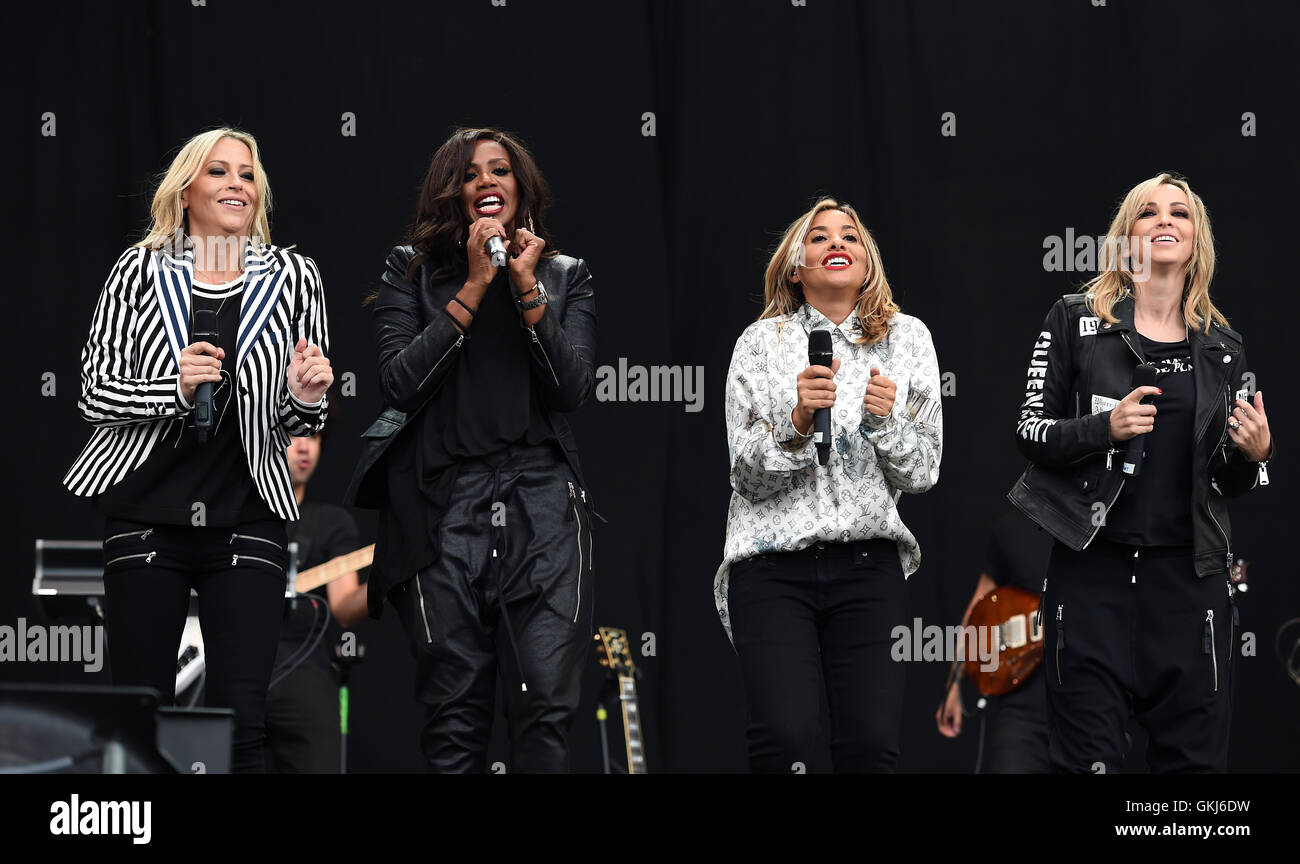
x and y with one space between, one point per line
496 248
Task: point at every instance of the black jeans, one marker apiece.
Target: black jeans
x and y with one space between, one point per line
302 722
1016 723
822 616
511 591
1140 634
239 574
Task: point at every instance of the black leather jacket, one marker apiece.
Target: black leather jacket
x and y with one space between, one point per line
417 346
1074 477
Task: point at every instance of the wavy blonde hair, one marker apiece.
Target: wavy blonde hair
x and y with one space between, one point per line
168 218
782 296
1115 274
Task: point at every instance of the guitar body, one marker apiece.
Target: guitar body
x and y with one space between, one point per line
190 660
1009 612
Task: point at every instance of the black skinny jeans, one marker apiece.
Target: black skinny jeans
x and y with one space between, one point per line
239 574
821 615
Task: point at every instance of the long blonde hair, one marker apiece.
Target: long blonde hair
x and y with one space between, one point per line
1115 274
168 216
781 296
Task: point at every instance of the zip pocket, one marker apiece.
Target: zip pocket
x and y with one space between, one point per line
147 556
1207 646
1233 626
233 537
573 503
143 535
1060 638
424 616
235 558
591 557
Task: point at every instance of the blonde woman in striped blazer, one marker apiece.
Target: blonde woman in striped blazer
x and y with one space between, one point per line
202 508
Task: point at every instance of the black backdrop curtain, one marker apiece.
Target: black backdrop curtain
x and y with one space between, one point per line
754 108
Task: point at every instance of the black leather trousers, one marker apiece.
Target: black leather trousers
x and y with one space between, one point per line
510 594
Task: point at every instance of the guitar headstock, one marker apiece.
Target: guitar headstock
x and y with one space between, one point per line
1237 574
611 645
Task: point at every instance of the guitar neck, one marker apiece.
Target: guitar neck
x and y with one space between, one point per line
631 724
323 574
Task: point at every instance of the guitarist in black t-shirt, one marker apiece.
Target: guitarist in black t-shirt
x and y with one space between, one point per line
1016 722
302 717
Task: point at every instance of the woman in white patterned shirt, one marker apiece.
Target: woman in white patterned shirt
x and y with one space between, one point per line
816 556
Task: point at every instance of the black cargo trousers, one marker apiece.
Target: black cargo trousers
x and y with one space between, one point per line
1134 630
510 594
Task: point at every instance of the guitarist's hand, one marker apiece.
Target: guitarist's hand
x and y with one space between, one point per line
949 714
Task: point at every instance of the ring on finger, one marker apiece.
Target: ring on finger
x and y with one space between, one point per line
1234 424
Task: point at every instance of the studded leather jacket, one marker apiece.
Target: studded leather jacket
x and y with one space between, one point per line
1074 477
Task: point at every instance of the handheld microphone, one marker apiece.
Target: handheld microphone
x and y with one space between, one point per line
204 330
1144 375
821 354
496 247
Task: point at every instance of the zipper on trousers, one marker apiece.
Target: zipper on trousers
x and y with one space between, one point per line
1207 646
591 557
1234 626
253 537
147 556
234 561
573 499
143 535
424 616
1060 638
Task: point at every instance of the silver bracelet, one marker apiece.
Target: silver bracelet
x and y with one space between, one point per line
540 300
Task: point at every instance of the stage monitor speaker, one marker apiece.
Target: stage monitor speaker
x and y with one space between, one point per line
197 739
73 729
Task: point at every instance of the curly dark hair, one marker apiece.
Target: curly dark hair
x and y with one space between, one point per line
440 226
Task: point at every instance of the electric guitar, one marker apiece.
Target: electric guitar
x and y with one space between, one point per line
1009 613
323 574
614 656
190 657
1237 576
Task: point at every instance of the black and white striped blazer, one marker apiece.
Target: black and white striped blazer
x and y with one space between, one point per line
130 367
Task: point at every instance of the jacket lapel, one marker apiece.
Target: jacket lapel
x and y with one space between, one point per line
263 281
173 278
1211 361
